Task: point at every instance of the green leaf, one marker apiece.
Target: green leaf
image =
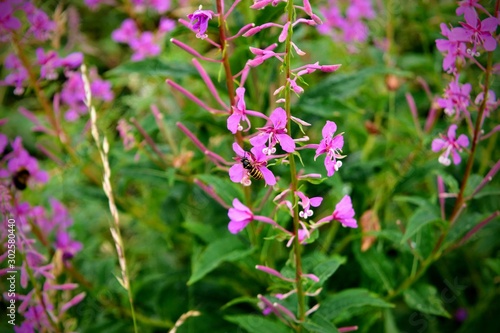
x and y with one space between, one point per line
153 67
389 322
224 249
258 324
472 183
327 268
420 218
202 230
335 305
424 298
320 325
377 266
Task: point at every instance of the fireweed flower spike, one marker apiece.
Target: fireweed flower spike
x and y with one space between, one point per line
199 21
332 146
344 213
257 158
240 216
449 144
273 133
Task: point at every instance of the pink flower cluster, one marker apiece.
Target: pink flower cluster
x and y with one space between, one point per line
347 27
463 44
144 44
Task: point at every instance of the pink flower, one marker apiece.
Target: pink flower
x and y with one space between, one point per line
491 103
144 46
199 21
127 32
332 147
239 112
450 146
453 49
456 98
21 163
476 31
257 159
465 5
8 21
344 213
73 94
240 215
19 75
40 24
274 132
48 63
306 204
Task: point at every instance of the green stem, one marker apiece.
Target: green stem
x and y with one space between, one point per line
293 171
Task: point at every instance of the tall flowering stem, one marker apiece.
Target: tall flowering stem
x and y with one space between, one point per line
475 139
293 170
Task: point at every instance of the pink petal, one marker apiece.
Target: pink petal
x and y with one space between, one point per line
456 157
268 176
286 142
238 150
329 129
438 145
452 132
236 173
233 122
490 24
463 140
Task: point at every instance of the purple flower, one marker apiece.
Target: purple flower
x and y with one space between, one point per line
306 204
48 63
94 4
456 98
257 159
274 132
453 49
465 5
8 21
491 103
161 6
66 245
476 31
19 75
145 46
239 113
344 213
331 146
72 60
73 95
21 163
450 146
199 21
102 89
126 32
166 24
40 24
240 215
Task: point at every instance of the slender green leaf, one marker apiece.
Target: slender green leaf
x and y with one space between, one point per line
424 298
335 305
224 249
420 218
319 324
258 324
153 67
